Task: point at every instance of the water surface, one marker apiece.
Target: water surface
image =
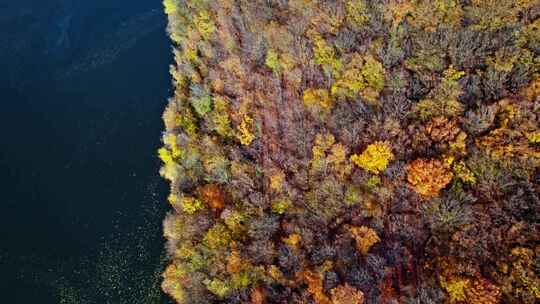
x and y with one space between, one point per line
83 87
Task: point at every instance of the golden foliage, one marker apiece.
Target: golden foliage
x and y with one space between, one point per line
443 99
190 205
279 61
328 155
234 220
458 146
373 73
494 14
245 135
508 143
234 262
172 198
220 117
365 238
397 10
172 227
277 178
217 237
532 91
272 61
363 76
430 14
351 81
218 287
165 156
293 240
325 55
327 20
314 281
356 12
346 294
428 176
455 288
170 171
375 157
274 273
204 24
533 137
338 159
172 278
466 289
171 6
522 277
462 172
323 142
187 121
317 97
280 206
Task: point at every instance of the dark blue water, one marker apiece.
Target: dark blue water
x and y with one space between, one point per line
82 88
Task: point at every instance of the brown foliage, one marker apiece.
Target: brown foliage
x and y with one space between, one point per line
442 129
428 176
345 294
213 196
365 238
257 296
481 291
314 281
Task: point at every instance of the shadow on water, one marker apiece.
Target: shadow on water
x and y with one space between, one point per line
83 93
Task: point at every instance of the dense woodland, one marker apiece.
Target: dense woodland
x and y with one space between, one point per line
353 151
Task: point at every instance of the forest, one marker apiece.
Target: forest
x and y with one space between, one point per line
353 151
